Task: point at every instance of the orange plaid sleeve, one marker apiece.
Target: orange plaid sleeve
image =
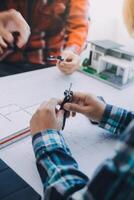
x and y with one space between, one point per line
77 25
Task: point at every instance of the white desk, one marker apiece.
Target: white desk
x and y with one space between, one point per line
89 144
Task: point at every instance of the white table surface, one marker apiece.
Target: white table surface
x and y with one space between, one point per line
90 145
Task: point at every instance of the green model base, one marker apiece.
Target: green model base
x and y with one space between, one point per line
107 76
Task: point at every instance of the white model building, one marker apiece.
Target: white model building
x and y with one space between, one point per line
106 54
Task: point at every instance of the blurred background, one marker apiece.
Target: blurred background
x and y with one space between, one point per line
107 23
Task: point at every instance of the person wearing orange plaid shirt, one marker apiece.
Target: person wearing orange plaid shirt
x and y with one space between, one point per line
58 28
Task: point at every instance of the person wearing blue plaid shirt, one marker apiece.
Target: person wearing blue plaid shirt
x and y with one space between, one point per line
59 171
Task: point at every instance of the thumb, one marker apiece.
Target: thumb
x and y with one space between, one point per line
74 108
60 118
67 55
69 58
60 114
23 37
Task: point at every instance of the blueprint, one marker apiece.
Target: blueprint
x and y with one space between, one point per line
20 95
14 118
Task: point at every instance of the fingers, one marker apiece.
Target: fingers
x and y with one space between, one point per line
16 23
22 27
7 36
83 98
67 68
2 43
60 114
75 108
52 102
70 63
1 51
24 34
46 117
80 103
50 105
73 114
79 97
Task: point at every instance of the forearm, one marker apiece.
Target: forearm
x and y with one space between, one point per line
116 119
114 178
62 179
77 25
58 169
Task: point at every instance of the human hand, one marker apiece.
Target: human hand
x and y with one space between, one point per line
70 63
128 14
12 21
47 117
86 104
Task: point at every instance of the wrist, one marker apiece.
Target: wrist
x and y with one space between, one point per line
101 108
106 116
100 112
46 141
34 129
45 130
74 49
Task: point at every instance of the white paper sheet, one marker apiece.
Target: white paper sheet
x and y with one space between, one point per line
14 118
21 94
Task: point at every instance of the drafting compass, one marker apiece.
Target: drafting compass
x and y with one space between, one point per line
68 95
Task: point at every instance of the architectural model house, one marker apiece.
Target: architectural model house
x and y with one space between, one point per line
110 63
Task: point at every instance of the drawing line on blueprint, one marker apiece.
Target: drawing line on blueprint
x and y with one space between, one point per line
7 110
5 117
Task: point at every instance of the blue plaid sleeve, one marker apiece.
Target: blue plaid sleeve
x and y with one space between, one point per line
58 169
114 179
116 119
62 179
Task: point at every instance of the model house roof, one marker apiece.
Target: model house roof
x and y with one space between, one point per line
122 51
106 44
112 48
